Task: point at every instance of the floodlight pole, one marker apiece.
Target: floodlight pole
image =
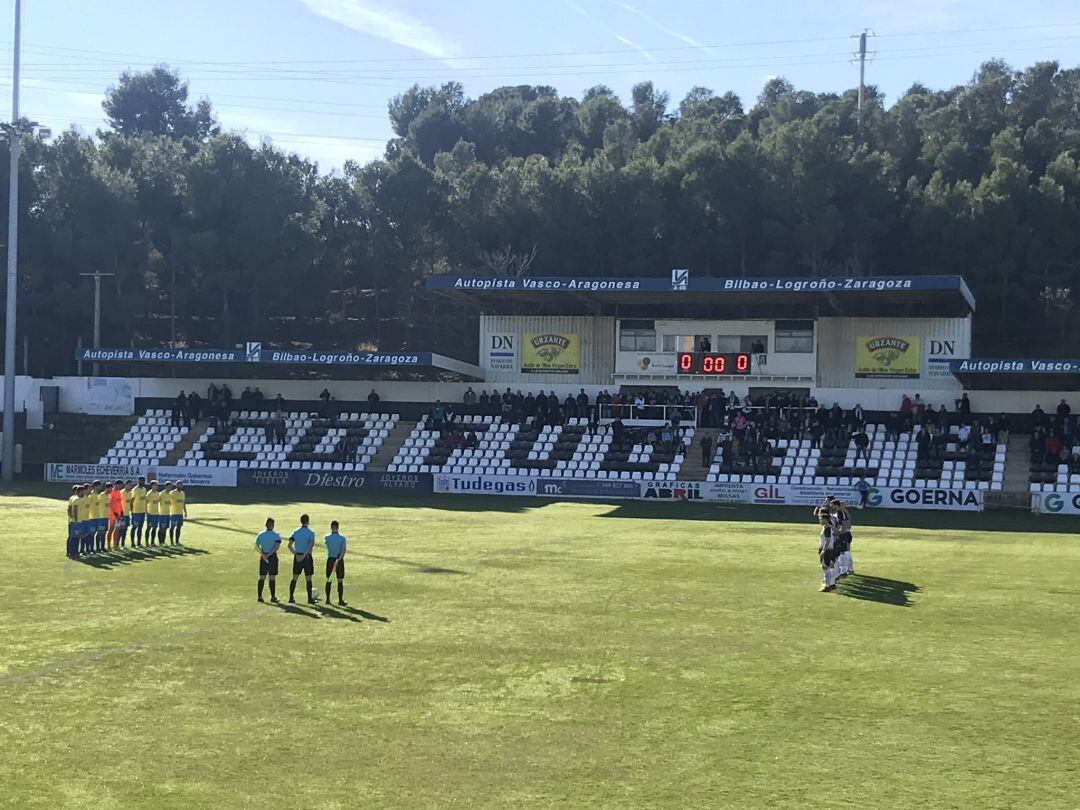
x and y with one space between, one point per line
7 456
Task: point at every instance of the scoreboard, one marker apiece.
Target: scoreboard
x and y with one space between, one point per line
727 363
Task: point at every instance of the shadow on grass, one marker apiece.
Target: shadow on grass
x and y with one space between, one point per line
877 589
107 560
420 568
210 523
322 610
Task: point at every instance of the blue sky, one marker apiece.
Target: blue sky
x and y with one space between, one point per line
314 76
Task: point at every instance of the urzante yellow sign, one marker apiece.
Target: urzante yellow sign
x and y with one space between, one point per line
550 353
887 357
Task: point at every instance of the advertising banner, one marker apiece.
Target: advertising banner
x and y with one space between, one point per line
502 352
550 353
254 353
799 494
329 479
676 490
681 281
952 500
75 473
1026 366
587 488
882 357
485 484
109 396
196 476
1056 503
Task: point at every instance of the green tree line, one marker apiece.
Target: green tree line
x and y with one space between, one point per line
214 241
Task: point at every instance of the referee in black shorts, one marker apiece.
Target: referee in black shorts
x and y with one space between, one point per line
267 544
335 563
302 544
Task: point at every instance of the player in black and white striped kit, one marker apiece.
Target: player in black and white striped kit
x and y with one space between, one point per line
841 519
826 552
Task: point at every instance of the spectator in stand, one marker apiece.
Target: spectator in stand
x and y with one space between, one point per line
1063 411
618 431
226 399
858 416
757 347
942 417
919 407
257 395
212 393
939 442
706 444
1074 460
485 402
963 435
583 403
194 408
1052 447
1001 429
570 406
373 397
469 398
1038 418
471 441
667 438
963 406
987 439
1037 442
438 414
705 345
179 411
922 443
862 444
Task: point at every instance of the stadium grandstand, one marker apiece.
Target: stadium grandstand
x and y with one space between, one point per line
765 391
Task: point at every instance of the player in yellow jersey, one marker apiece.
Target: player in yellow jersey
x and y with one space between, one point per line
164 512
73 523
101 515
86 527
138 511
153 504
126 496
177 512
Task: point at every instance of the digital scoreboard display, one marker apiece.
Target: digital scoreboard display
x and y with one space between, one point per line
712 363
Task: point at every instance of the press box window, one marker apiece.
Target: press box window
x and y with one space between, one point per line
794 337
637 336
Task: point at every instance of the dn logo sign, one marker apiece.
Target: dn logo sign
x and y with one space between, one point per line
943 348
502 351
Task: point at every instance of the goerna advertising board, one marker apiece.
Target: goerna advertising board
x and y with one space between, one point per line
1056 503
951 500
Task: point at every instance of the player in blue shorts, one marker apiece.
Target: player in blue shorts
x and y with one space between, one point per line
138 511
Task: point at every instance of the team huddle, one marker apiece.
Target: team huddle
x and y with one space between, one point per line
302 546
100 515
834 546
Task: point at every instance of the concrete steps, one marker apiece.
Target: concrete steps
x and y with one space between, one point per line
1017 465
186 443
390 446
691 469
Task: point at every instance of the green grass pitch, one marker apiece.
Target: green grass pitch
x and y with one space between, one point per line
519 653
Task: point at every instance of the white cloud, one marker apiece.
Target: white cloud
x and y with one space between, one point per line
386 24
659 26
575 7
631 44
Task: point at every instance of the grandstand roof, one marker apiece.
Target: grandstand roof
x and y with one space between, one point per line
684 294
1032 374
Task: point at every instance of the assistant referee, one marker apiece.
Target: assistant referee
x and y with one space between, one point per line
301 544
267 544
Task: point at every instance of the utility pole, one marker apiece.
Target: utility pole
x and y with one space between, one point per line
97 276
862 71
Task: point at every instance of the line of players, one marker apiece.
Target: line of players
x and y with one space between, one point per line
302 546
834 545
100 514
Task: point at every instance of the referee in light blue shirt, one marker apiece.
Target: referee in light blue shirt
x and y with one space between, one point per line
267 544
335 563
302 544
